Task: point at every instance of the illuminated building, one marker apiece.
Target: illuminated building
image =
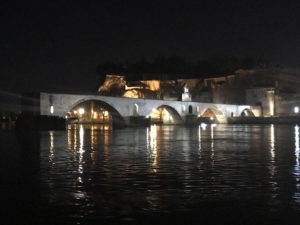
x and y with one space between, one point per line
274 91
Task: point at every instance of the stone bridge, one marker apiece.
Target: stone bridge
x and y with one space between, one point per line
125 110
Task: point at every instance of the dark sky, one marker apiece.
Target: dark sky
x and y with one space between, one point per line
56 45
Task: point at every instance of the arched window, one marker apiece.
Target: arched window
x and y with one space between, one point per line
190 109
136 109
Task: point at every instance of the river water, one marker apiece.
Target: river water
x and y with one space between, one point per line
215 174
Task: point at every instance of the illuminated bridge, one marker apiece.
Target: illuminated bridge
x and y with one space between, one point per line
129 111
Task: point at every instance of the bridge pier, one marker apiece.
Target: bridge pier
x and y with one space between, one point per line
131 121
138 121
191 119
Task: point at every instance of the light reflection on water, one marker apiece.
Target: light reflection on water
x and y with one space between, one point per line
51 147
296 196
103 171
272 166
152 146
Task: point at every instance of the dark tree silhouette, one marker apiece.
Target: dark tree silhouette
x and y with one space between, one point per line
175 67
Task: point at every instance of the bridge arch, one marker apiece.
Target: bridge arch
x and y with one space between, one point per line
214 115
165 114
93 111
247 113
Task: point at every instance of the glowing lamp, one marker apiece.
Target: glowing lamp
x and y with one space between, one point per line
81 111
51 109
203 126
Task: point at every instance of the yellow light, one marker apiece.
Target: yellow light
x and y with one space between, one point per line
271 108
95 115
155 114
131 94
153 147
153 85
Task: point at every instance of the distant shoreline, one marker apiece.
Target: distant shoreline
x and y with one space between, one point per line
264 120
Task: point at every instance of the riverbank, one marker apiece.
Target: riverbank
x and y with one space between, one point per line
37 122
265 120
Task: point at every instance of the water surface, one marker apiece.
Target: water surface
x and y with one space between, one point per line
220 174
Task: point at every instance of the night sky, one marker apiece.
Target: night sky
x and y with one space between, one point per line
56 45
